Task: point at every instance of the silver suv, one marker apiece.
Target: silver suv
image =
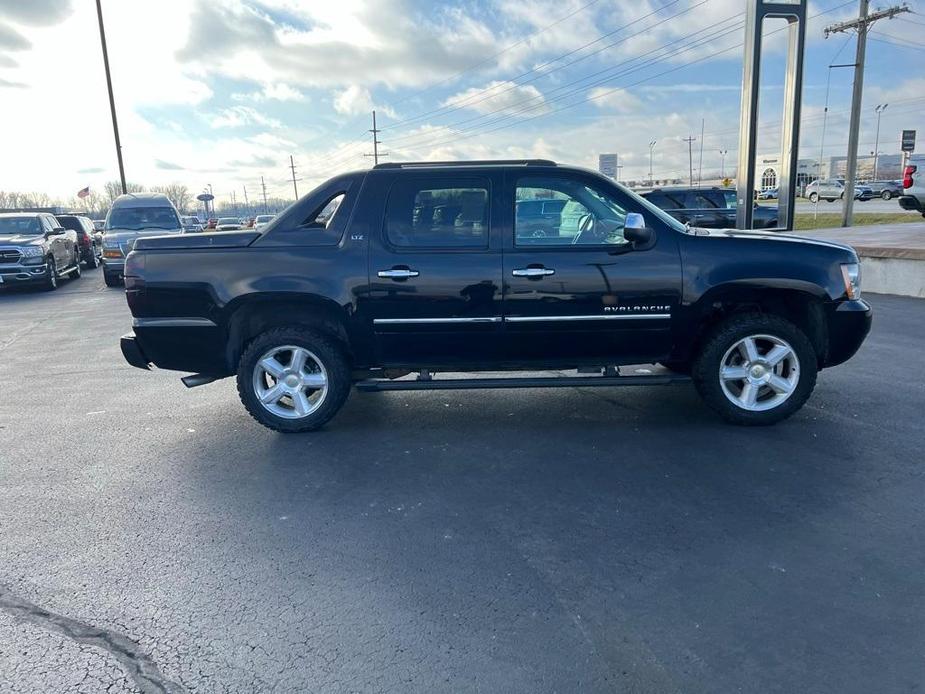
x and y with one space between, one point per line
829 189
132 216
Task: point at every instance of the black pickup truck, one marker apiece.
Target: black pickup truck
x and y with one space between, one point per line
405 268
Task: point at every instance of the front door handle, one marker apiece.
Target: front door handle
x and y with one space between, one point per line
398 273
533 272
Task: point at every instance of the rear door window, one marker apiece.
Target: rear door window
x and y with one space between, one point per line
439 213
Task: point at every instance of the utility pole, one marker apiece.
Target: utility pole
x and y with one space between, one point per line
722 166
295 188
247 205
264 187
880 109
700 165
690 140
376 142
234 204
861 25
651 147
112 100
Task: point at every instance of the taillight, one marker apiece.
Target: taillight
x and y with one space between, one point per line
84 240
907 175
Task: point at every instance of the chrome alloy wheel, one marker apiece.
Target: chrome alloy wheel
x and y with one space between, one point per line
290 382
759 372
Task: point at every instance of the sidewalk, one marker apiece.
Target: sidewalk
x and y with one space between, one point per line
892 255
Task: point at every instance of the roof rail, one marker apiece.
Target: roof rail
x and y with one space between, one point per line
473 162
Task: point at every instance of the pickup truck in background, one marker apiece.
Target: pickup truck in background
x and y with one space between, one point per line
708 208
439 267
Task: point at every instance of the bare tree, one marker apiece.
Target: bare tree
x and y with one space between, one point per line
114 189
178 194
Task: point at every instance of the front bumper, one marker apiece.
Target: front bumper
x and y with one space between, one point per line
21 274
910 202
132 352
849 324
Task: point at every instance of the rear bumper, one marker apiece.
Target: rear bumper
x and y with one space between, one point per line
133 353
849 324
910 202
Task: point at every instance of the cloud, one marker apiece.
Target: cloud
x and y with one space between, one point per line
239 116
12 40
617 99
271 140
167 165
7 84
355 100
255 161
501 97
35 12
272 92
91 170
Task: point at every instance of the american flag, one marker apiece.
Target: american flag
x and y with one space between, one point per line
84 192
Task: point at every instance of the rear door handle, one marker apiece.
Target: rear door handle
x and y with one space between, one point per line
398 274
533 272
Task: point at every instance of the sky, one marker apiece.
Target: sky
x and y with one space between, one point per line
222 92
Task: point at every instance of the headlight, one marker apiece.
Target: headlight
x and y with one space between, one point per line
851 273
31 251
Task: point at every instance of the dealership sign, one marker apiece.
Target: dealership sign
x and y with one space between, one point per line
908 141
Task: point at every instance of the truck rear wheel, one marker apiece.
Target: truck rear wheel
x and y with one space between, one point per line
755 369
293 379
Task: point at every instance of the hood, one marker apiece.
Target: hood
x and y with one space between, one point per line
758 235
21 239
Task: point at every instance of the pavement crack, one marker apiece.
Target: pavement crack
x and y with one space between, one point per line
138 664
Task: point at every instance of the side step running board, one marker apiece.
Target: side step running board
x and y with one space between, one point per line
374 384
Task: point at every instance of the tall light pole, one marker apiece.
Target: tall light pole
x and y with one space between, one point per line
112 100
722 167
880 109
651 147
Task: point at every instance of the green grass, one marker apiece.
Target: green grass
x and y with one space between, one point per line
804 220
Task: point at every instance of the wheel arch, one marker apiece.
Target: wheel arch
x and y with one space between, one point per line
251 315
802 304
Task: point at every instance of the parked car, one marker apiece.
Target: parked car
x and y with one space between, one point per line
708 208
210 224
768 194
261 220
834 189
36 249
99 224
913 190
191 225
862 192
133 216
228 224
886 189
423 267
89 240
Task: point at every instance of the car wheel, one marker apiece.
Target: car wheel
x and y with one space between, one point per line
814 197
755 369
886 195
93 261
76 272
111 280
293 379
51 275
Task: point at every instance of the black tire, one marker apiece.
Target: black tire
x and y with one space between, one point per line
814 197
886 195
329 353
50 283
111 280
707 364
93 261
76 271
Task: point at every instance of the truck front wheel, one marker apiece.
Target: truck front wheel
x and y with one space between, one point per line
293 379
755 369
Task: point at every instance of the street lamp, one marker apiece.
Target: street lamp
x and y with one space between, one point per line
723 153
651 147
880 109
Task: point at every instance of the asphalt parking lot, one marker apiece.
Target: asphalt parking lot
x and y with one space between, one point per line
154 538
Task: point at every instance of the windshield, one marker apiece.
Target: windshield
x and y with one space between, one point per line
264 218
139 218
28 226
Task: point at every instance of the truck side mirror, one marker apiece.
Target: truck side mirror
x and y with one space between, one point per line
636 232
